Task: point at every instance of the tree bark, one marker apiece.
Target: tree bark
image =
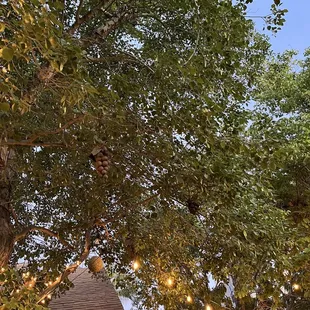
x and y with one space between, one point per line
6 227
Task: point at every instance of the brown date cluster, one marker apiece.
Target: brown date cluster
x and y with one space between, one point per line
102 161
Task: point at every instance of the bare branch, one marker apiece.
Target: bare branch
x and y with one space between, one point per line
45 231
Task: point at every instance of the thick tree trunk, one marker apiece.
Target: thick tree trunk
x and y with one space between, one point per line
6 229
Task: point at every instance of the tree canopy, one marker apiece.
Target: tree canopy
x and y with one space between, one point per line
182 185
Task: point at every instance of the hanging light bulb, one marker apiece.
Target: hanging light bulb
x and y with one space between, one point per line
189 299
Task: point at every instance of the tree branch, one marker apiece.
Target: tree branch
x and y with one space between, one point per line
70 269
62 128
104 30
78 11
29 143
45 231
89 15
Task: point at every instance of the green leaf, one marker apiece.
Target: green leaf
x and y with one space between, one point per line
4 106
7 53
2 27
245 234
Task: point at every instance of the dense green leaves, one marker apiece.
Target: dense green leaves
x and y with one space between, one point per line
163 85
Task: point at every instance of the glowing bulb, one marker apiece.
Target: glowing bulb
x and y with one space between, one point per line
17 291
2 269
209 307
136 265
189 299
30 285
49 296
78 262
296 287
170 282
28 274
43 301
57 279
50 283
24 275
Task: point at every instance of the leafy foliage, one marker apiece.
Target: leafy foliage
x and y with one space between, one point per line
162 85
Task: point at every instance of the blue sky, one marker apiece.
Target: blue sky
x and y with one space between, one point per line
295 32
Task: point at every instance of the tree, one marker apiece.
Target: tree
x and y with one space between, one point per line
154 92
282 115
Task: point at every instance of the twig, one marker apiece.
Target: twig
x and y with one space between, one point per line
138 60
195 49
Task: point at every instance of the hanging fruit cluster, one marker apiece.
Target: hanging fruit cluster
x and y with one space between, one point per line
102 160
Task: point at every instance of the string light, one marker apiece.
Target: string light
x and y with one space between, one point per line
2 269
57 279
49 296
50 283
136 265
170 282
296 287
189 299
17 291
209 307
43 301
